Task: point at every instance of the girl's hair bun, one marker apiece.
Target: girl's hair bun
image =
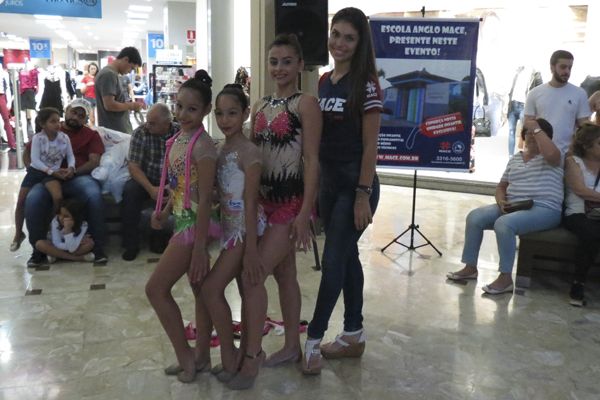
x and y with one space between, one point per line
203 76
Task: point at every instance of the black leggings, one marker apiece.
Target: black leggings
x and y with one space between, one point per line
588 233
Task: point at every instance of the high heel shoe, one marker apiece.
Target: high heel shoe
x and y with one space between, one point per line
348 350
311 352
243 382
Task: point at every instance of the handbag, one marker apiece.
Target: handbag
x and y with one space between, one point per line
518 206
483 126
592 208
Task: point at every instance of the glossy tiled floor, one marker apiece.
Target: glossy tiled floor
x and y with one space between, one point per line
75 331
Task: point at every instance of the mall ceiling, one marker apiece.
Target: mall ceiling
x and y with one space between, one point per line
112 31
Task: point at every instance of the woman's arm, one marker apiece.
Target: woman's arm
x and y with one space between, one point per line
574 179
362 209
549 151
200 265
500 195
252 265
311 117
57 236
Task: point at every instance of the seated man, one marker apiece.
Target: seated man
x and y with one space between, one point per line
146 155
87 148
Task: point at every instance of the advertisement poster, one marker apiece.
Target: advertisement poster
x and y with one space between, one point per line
64 8
40 48
426 70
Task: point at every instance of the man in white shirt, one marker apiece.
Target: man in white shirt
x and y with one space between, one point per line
562 104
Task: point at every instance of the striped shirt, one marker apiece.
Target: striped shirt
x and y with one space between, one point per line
536 180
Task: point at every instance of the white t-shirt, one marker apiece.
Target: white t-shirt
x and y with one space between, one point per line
562 107
67 242
573 203
50 154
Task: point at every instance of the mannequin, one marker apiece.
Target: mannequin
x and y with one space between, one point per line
52 90
5 100
29 86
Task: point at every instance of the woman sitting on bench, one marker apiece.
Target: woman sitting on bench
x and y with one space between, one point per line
528 198
582 173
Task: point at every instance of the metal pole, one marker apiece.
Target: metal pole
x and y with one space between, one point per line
16 87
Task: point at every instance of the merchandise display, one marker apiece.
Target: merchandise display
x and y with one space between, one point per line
167 81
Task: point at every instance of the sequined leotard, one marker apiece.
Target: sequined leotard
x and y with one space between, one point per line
231 164
278 135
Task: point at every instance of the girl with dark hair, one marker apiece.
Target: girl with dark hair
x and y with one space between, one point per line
49 147
534 175
90 90
582 174
242 219
351 101
287 130
70 240
189 168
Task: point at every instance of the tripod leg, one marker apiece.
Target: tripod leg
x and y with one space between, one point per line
395 240
428 242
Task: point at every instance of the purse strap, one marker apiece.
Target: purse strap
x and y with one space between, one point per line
478 107
597 180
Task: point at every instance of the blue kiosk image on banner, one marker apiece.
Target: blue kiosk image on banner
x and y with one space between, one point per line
426 68
40 48
64 8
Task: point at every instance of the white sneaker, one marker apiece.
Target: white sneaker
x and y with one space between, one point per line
89 257
51 260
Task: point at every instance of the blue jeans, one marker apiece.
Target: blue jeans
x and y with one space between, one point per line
38 208
342 270
507 227
515 113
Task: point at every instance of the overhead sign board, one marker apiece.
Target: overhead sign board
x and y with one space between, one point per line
40 48
64 8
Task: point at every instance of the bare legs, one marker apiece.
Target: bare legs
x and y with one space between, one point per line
273 247
290 302
227 267
47 247
174 264
20 214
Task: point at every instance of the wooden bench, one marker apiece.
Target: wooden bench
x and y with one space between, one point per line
554 244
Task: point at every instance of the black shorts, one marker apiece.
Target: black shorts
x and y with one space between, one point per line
35 176
28 100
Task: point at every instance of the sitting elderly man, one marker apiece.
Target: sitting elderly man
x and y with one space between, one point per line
146 155
87 148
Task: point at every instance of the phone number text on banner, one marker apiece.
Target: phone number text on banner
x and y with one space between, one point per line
426 69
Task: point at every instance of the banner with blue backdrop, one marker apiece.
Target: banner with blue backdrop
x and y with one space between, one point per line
64 8
426 69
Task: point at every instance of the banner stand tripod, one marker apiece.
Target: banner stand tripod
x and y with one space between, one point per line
412 227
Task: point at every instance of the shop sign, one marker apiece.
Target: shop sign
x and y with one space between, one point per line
156 41
427 75
191 37
64 8
169 56
40 48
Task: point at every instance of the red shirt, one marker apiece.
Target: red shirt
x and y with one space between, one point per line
90 90
84 142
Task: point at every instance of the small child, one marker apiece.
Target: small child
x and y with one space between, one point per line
239 166
69 238
49 147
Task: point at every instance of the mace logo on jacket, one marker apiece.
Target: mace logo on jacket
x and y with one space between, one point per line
332 104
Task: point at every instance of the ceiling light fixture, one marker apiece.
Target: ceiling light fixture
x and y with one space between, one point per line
140 8
136 15
135 21
47 17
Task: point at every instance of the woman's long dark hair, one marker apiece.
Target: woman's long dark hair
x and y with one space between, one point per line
362 64
74 207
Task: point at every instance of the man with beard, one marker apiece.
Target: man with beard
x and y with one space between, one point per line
562 104
87 148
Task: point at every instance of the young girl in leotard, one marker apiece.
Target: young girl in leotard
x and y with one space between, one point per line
287 130
190 160
242 219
